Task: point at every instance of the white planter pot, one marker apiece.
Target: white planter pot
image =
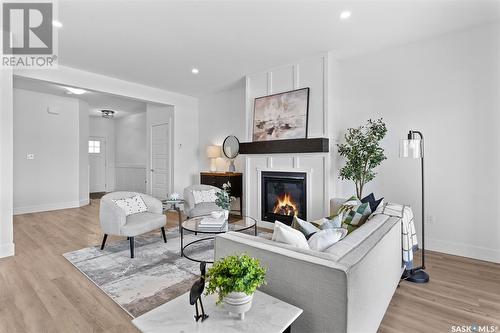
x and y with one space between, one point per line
226 214
238 303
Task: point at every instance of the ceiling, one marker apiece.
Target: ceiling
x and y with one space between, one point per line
157 43
97 100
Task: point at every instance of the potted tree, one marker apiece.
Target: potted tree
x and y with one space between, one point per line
234 279
363 153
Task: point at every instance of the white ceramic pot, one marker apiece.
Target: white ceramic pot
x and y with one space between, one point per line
238 303
226 214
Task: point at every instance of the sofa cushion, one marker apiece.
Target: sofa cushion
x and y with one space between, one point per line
288 235
370 198
355 239
204 196
307 228
132 205
141 223
332 222
204 208
323 239
356 217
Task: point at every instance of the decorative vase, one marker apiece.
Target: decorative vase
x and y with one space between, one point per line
226 214
238 303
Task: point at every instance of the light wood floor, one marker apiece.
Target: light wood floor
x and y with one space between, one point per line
42 292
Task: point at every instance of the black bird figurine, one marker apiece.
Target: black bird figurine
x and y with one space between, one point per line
196 292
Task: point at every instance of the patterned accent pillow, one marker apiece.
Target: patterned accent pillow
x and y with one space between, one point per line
307 228
204 196
356 217
349 204
132 205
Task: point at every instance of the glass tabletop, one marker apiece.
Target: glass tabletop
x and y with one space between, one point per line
236 223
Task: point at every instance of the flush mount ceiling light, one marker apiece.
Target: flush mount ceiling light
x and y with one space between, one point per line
75 91
57 24
195 70
345 14
108 114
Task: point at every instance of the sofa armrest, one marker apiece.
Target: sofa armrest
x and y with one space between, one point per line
314 284
154 205
111 217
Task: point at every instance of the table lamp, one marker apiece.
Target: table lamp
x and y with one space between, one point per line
213 152
413 147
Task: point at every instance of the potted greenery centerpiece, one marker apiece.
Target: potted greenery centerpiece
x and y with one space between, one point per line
363 153
235 279
224 199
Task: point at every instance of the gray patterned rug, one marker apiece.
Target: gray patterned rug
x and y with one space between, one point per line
156 275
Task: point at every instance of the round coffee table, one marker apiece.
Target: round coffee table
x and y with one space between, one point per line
236 223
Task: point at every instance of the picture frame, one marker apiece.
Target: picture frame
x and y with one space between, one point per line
281 116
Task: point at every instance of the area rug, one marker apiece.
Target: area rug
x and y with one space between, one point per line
156 275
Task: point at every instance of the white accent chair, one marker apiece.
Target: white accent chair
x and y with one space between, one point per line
191 209
114 221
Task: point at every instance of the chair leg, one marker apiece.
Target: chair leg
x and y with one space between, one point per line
163 234
131 247
104 241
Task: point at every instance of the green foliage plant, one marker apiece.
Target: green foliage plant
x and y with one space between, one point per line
223 198
235 274
363 153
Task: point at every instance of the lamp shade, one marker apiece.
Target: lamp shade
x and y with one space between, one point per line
411 148
213 151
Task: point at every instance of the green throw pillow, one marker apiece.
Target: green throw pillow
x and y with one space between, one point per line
356 217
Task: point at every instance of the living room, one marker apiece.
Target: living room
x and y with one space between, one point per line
357 77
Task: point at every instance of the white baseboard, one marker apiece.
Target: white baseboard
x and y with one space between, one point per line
84 202
6 250
47 207
464 250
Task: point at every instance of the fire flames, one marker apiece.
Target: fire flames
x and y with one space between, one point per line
285 205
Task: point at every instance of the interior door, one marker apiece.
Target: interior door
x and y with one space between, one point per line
97 163
160 136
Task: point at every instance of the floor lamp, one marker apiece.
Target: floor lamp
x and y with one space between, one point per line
413 147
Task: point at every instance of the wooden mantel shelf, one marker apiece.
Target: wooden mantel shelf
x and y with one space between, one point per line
290 146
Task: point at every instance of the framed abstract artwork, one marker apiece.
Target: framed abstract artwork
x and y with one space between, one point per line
281 116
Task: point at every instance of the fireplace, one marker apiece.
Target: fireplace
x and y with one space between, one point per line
283 196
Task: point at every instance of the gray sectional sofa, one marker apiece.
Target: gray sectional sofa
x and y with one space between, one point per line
346 289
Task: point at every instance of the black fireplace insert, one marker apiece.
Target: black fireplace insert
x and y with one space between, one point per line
283 196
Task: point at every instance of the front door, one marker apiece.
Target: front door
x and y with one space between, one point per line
160 144
97 163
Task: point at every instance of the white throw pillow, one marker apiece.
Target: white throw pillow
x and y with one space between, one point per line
288 235
132 205
323 239
204 196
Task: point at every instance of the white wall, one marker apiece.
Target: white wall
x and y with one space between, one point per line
6 164
447 87
83 166
131 152
186 112
105 128
222 113
50 180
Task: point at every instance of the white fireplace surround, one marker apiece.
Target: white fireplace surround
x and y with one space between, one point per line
315 167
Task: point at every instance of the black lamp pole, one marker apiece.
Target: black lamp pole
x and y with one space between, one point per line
418 275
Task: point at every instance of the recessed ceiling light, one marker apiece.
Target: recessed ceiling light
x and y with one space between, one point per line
345 14
75 91
195 71
57 24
